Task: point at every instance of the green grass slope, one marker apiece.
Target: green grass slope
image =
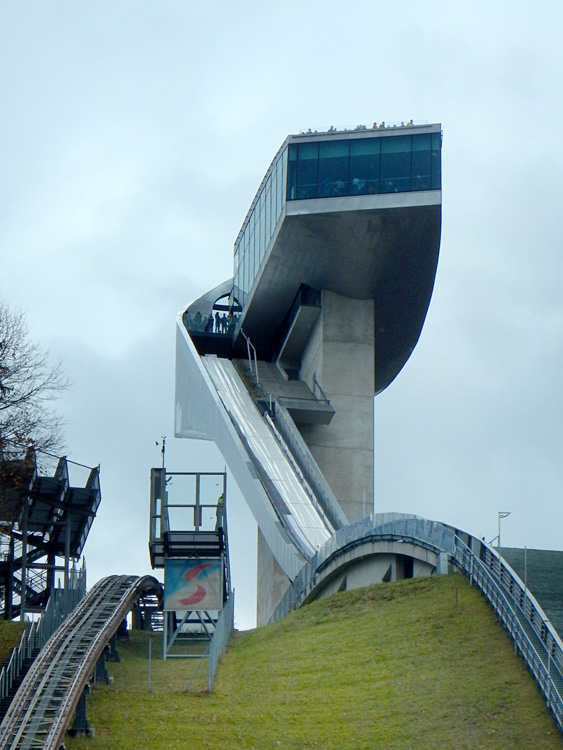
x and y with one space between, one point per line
418 663
10 634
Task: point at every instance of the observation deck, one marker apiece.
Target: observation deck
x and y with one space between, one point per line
357 213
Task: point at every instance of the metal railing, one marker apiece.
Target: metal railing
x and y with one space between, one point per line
534 636
223 630
398 526
307 465
298 471
297 452
60 605
251 357
45 702
317 385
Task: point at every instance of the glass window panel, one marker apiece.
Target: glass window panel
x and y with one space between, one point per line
256 247
245 238
273 213
256 231
307 170
333 168
284 173
436 161
247 263
364 166
244 271
292 172
395 164
262 244
251 240
273 203
268 213
257 237
236 264
421 175
279 183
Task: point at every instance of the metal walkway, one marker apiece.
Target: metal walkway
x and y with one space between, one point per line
45 703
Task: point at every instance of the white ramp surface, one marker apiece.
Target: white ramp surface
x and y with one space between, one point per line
300 513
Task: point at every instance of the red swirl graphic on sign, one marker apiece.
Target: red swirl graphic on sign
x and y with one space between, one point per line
200 592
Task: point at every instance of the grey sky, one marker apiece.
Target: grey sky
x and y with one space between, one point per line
133 138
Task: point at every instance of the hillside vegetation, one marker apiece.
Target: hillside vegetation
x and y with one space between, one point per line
418 663
10 634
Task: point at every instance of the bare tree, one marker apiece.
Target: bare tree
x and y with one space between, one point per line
29 384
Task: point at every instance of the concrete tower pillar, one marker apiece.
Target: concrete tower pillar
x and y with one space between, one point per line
340 355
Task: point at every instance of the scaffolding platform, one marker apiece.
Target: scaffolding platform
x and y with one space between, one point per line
188 539
44 525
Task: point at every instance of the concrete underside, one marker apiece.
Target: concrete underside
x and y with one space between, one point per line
374 562
363 564
383 248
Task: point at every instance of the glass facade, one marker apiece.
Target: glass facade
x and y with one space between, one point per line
259 227
363 166
331 168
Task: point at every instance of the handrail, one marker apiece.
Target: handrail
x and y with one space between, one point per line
533 635
298 471
307 465
60 605
316 384
249 346
45 701
299 455
527 624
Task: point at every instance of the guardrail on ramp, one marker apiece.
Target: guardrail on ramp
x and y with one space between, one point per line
46 700
298 509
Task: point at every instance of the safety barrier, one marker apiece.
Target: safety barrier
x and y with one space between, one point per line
307 464
533 635
44 704
60 605
223 629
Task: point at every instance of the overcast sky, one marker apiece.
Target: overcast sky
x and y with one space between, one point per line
133 138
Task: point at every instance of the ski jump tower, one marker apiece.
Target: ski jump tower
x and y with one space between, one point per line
334 268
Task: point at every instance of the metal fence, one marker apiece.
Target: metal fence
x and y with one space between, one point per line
527 624
533 635
60 605
223 630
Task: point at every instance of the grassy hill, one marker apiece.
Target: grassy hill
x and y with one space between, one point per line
10 634
415 664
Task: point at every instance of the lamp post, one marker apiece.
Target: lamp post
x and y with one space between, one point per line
501 514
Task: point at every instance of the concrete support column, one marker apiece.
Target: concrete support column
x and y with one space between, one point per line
340 355
101 674
272 582
81 726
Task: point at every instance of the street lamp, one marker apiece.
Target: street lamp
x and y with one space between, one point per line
501 514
